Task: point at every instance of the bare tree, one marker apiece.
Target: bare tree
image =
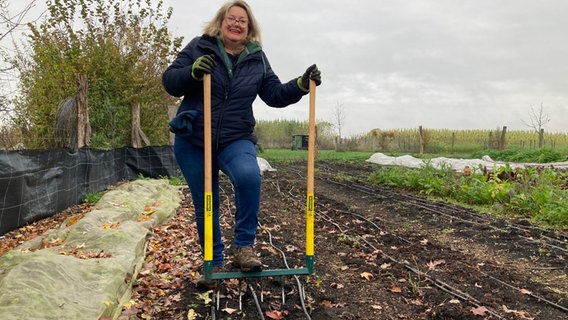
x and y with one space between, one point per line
9 24
339 118
537 120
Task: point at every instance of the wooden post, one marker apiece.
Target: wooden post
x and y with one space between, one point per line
83 124
135 125
172 110
453 141
421 131
138 138
502 139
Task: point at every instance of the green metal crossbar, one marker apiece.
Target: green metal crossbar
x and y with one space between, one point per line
310 200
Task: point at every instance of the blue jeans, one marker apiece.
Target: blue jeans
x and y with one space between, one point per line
238 162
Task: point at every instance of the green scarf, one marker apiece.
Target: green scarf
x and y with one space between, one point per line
249 48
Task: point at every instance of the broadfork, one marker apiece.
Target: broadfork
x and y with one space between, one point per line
208 198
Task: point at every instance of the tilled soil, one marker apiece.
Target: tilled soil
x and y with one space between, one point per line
379 254
385 254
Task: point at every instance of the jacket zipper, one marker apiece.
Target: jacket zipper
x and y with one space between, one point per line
220 120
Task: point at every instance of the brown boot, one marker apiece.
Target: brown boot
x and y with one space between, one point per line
203 284
246 259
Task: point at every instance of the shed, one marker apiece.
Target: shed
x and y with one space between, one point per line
300 141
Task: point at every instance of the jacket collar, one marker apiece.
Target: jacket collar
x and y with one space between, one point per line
250 48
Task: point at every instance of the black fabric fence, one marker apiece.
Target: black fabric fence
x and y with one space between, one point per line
36 184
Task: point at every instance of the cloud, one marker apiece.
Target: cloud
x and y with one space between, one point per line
471 64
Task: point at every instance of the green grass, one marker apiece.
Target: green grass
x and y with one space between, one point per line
542 155
94 197
285 155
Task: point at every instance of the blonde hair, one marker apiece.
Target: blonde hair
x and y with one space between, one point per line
213 27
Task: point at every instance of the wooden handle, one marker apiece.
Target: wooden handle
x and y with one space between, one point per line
208 186
310 199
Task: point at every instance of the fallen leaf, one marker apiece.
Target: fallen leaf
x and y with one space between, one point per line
525 291
130 312
326 304
229 310
385 266
424 242
205 297
275 314
366 275
129 304
376 307
337 285
148 210
176 297
270 249
144 218
291 248
395 289
111 226
74 219
164 267
454 301
479 311
507 310
190 314
417 302
433 264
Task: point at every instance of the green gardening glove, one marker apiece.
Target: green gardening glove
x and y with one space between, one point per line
204 64
312 73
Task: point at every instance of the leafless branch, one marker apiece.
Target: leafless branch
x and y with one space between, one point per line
537 119
339 117
13 22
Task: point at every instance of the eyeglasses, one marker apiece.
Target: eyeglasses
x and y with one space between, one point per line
233 20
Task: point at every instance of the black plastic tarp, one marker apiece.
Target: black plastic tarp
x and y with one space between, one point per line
35 184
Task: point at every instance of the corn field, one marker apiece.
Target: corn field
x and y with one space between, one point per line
459 141
278 135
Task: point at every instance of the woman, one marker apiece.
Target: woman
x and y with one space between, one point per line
230 51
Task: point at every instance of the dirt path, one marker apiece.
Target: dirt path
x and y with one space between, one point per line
385 254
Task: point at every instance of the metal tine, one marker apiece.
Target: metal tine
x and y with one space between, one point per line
262 290
240 296
218 293
213 311
282 291
258 307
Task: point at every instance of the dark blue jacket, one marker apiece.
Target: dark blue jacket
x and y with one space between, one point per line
233 90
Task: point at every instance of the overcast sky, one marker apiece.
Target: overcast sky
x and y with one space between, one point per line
468 64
